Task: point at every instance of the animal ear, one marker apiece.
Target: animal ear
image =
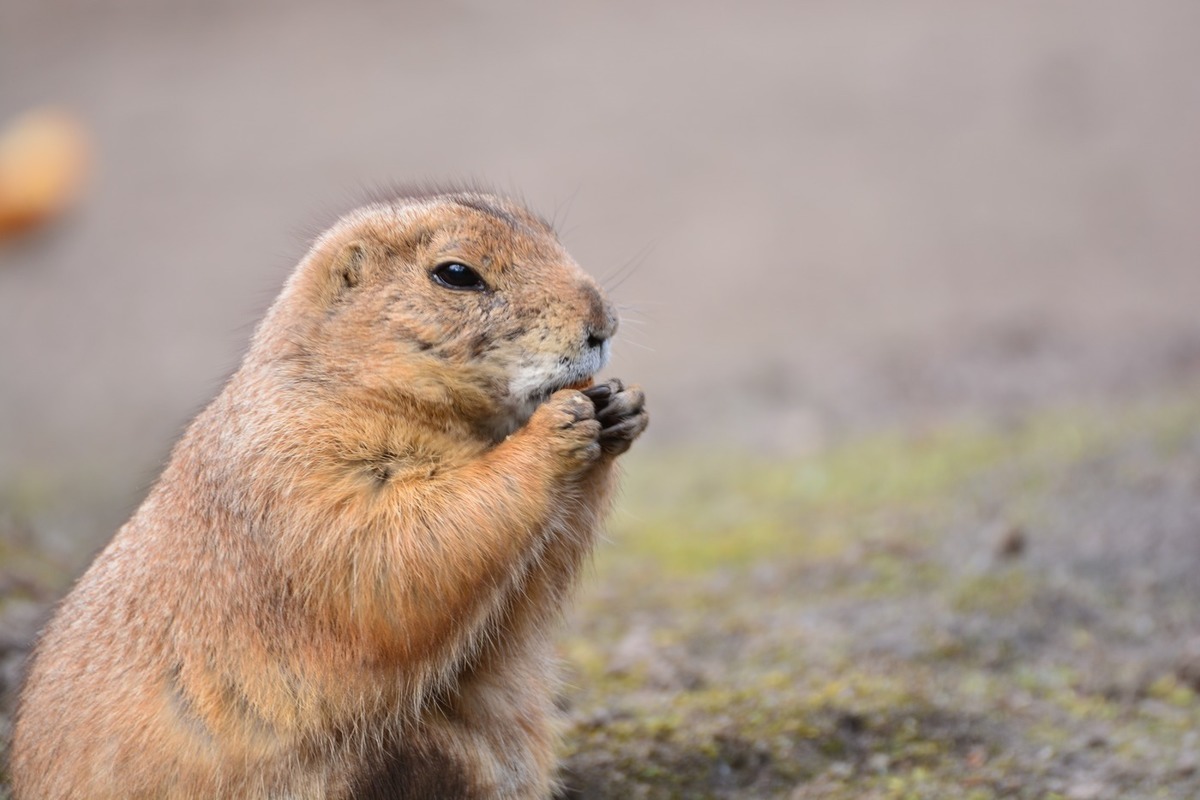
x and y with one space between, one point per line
342 271
348 266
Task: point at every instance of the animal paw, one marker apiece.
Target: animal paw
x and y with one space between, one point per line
568 419
621 412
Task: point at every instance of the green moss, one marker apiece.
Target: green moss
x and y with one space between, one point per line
713 556
690 512
1169 689
1000 592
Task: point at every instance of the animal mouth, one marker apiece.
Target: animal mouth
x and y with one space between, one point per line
571 382
533 386
523 403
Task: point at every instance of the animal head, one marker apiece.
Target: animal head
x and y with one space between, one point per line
463 299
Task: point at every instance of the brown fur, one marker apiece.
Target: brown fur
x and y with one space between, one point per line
342 584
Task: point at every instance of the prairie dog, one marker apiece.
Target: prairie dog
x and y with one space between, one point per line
343 583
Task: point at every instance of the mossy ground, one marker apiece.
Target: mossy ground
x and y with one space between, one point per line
972 612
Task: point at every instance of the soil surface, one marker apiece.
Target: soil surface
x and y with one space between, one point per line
967 613
912 290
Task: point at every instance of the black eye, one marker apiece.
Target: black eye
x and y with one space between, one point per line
458 276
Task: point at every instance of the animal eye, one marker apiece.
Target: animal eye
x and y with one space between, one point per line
454 275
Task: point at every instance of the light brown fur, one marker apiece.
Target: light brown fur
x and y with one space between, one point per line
343 583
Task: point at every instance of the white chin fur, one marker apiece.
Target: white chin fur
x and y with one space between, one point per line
533 381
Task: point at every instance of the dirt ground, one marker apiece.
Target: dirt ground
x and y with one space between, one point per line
838 232
968 613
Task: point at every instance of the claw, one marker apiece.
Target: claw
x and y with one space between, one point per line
599 393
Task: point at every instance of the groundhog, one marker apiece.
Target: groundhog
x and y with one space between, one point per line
344 582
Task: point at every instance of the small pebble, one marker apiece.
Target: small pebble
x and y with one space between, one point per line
1012 543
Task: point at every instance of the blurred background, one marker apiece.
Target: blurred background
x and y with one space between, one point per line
823 220
818 215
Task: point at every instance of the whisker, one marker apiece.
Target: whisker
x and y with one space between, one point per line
625 273
638 345
565 208
628 268
633 318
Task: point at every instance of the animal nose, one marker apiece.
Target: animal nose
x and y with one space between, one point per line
601 328
597 338
602 320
